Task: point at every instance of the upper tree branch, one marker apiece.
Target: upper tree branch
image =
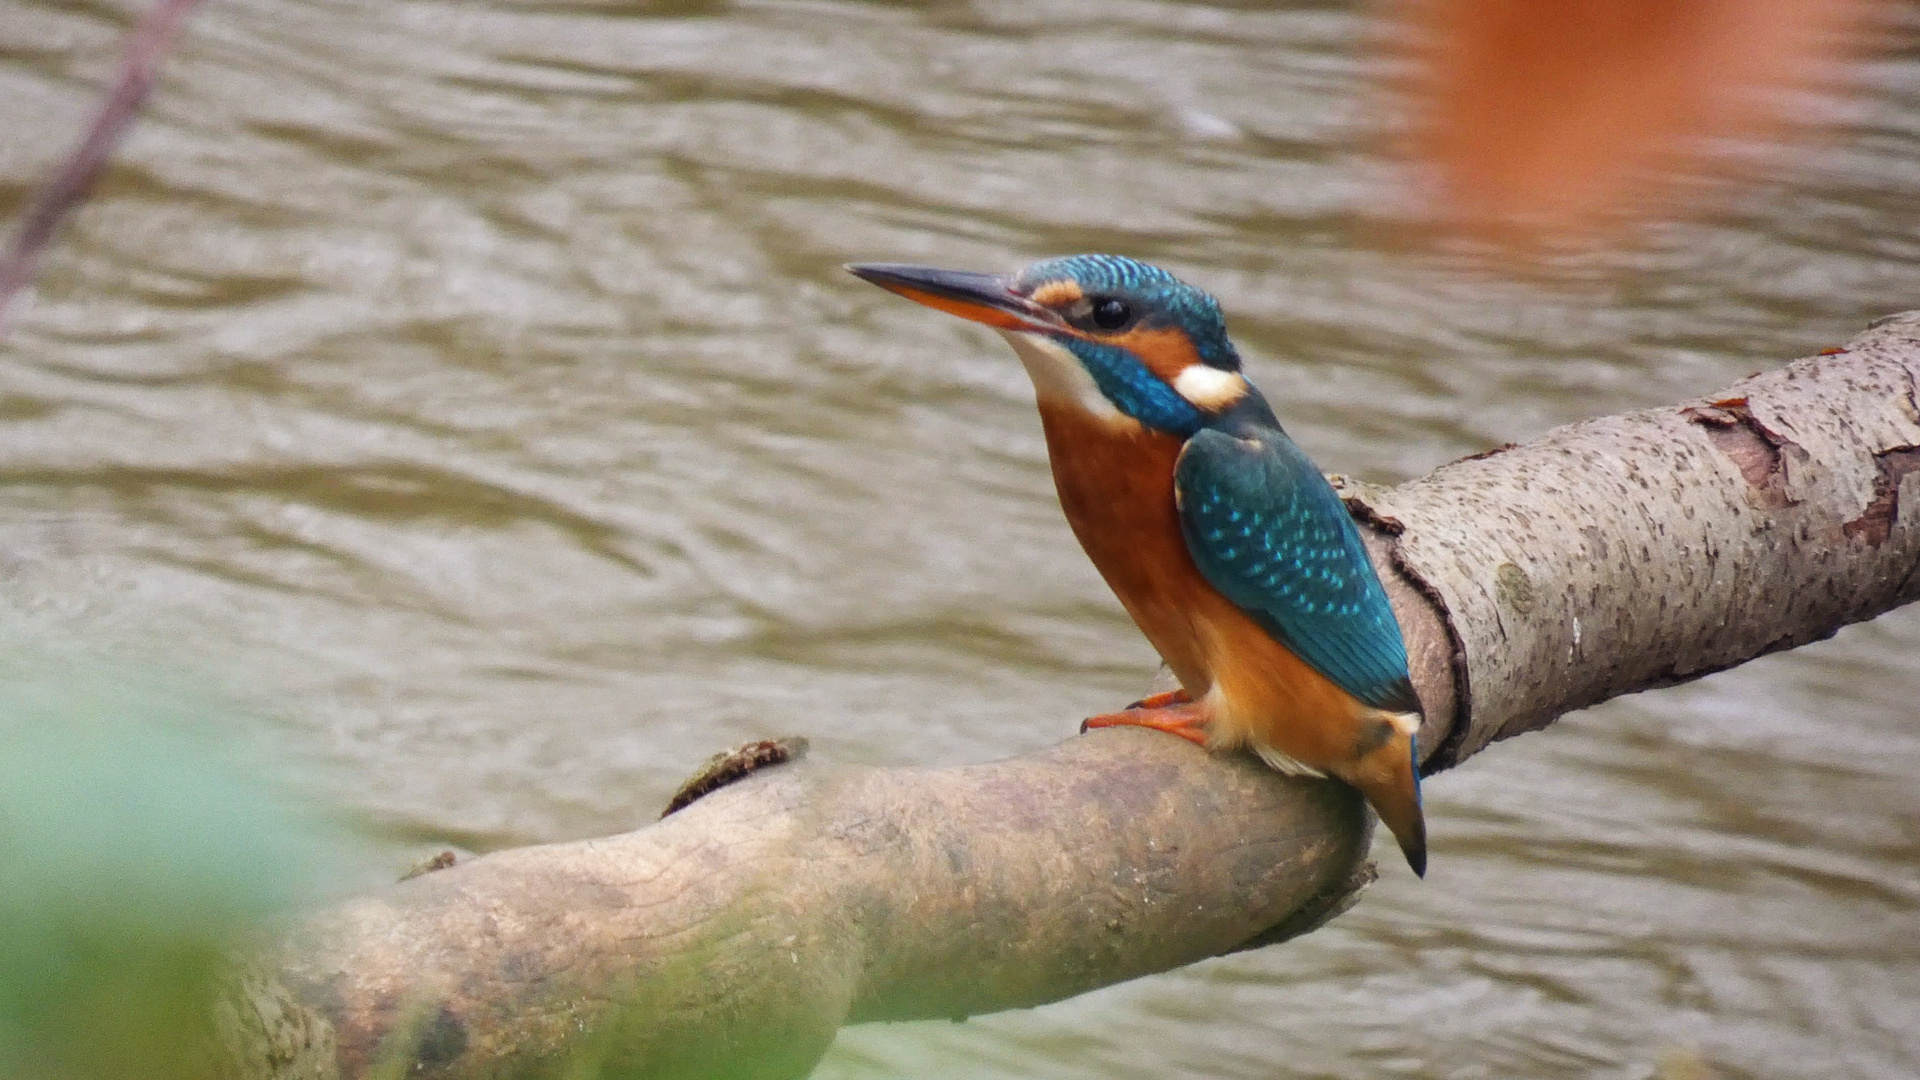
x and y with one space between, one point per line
1640 550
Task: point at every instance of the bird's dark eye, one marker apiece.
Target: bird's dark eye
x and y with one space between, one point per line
1111 314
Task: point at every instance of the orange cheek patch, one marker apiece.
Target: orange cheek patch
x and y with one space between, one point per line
1057 294
1166 351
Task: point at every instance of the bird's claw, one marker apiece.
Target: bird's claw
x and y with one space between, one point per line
1176 696
1185 719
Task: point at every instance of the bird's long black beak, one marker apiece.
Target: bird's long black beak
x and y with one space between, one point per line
984 298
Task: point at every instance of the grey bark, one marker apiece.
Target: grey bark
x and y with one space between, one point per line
736 936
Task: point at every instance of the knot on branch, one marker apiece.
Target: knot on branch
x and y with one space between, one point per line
738 763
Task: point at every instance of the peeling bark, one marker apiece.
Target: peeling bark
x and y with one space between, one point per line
1875 523
738 934
1747 443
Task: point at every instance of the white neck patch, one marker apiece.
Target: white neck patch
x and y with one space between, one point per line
1061 380
1209 387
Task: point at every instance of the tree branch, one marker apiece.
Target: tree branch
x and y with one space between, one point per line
139 68
1630 552
736 936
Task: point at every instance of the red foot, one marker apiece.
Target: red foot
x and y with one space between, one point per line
1162 699
1187 720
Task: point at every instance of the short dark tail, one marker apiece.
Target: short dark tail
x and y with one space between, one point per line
1390 780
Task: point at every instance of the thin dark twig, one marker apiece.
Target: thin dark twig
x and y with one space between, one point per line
139 66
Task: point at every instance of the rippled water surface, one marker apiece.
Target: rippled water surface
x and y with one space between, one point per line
473 389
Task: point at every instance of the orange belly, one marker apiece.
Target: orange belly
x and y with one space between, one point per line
1116 487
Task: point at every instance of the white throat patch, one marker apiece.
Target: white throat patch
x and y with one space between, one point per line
1060 380
1209 387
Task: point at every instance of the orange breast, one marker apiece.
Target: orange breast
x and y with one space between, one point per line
1116 487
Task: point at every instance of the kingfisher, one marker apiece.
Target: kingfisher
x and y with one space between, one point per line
1223 541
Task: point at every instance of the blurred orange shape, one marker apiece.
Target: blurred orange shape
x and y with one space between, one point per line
1547 116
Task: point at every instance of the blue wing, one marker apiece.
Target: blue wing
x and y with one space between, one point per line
1266 529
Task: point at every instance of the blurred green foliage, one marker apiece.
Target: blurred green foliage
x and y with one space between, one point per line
135 851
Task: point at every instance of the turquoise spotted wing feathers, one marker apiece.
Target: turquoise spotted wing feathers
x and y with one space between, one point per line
1266 529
